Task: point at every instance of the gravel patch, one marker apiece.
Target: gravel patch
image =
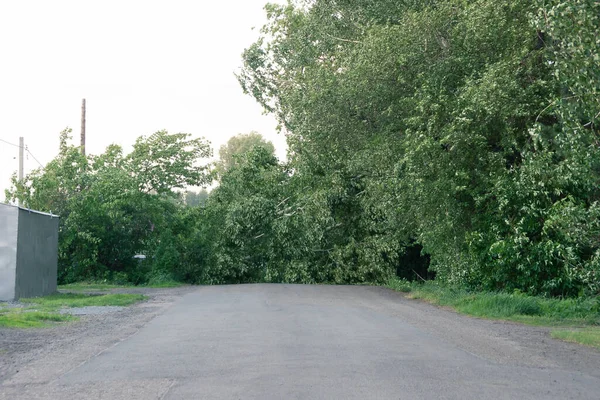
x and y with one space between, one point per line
48 352
91 310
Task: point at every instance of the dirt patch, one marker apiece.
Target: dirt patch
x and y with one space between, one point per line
75 342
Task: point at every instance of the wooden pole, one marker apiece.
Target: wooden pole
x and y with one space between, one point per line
83 127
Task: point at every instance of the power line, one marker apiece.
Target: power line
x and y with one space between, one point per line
26 149
12 144
31 154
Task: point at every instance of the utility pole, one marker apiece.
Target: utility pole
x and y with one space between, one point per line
83 127
21 148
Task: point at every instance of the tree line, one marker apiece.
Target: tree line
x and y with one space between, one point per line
447 139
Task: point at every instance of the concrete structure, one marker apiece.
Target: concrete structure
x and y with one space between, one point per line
28 253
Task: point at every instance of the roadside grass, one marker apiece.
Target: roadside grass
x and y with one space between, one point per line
587 336
44 311
85 286
94 286
506 306
164 284
19 318
66 300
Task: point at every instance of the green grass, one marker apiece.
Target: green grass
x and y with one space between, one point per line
62 300
31 319
43 311
578 317
506 306
85 286
92 286
400 285
588 336
164 284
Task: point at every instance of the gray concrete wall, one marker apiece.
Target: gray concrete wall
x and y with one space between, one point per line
37 254
8 251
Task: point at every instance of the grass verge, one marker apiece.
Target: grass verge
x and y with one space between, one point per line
65 300
93 286
45 311
31 319
588 336
90 286
164 284
541 311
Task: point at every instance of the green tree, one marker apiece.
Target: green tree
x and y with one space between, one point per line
231 153
113 206
239 215
163 162
468 128
193 199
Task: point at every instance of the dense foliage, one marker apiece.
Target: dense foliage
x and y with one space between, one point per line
114 206
231 153
426 138
196 199
469 128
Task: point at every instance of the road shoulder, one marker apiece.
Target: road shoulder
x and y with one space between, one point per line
38 356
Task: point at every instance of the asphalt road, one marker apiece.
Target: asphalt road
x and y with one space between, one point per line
324 342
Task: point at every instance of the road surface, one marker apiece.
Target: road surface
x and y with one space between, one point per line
315 342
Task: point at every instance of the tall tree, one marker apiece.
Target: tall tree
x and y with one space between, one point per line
193 199
467 127
163 161
231 153
113 206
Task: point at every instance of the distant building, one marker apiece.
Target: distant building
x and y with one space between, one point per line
28 253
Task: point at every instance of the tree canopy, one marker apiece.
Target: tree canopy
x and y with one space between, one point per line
113 206
467 128
231 152
439 138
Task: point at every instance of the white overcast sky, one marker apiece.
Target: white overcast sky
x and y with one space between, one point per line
142 66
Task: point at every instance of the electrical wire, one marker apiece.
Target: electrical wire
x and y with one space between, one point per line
31 154
12 144
26 149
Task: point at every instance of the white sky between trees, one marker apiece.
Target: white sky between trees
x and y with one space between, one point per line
142 66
